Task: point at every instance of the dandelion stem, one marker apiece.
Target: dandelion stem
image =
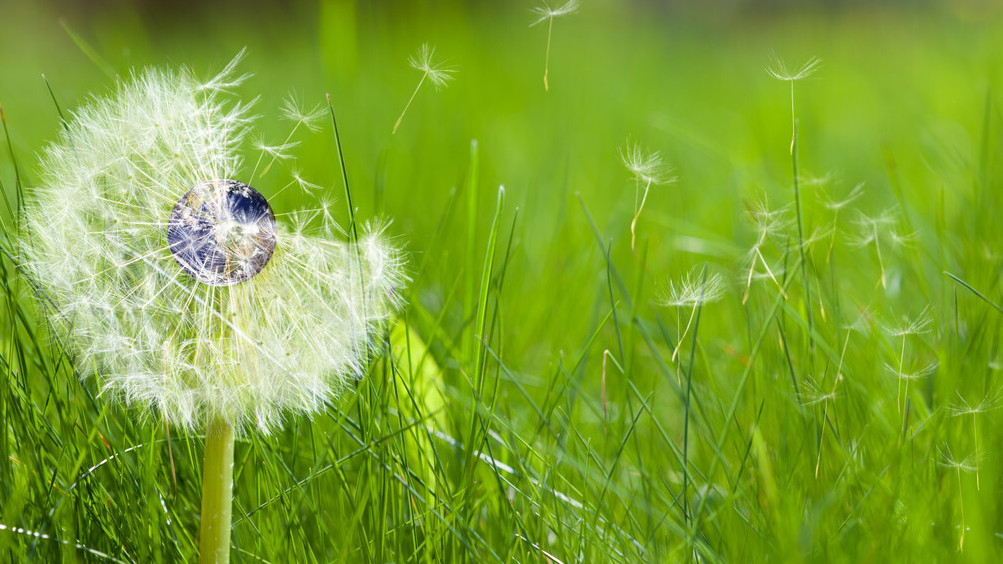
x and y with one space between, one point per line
217 494
679 340
546 62
881 262
794 124
961 500
797 206
637 214
832 397
975 431
415 93
900 378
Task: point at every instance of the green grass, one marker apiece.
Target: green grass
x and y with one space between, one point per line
528 406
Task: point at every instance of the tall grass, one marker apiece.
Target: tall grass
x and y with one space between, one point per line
536 400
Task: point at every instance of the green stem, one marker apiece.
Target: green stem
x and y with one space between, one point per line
804 258
217 494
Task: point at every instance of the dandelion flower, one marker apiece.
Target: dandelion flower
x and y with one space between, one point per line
193 339
173 285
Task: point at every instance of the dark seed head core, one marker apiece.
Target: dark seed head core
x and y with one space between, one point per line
222 232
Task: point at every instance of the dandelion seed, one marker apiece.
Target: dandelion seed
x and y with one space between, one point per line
855 193
836 206
308 188
279 152
815 392
903 239
778 70
918 374
948 460
816 181
294 111
646 169
547 14
871 228
830 397
917 326
692 291
767 224
989 402
437 74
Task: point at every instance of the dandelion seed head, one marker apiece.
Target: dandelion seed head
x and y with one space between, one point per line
436 73
872 226
645 167
916 326
991 401
947 459
817 391
295 111
693 289
779 70
852 196
916 374
767 222
130 293
903 239
544 12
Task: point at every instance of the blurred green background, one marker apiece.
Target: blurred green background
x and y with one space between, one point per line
687 81
906 101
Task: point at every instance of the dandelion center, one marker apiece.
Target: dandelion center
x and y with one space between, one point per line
222 232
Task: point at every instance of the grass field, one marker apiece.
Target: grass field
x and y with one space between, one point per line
797 358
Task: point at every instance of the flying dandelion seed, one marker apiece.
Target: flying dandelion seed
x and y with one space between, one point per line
779 70
967 464
173 285
437 74
990 402
917 326
767 223
837 206
547 14
871 230
646 169
693 290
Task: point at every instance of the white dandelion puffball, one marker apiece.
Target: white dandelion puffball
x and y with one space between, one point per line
169 280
